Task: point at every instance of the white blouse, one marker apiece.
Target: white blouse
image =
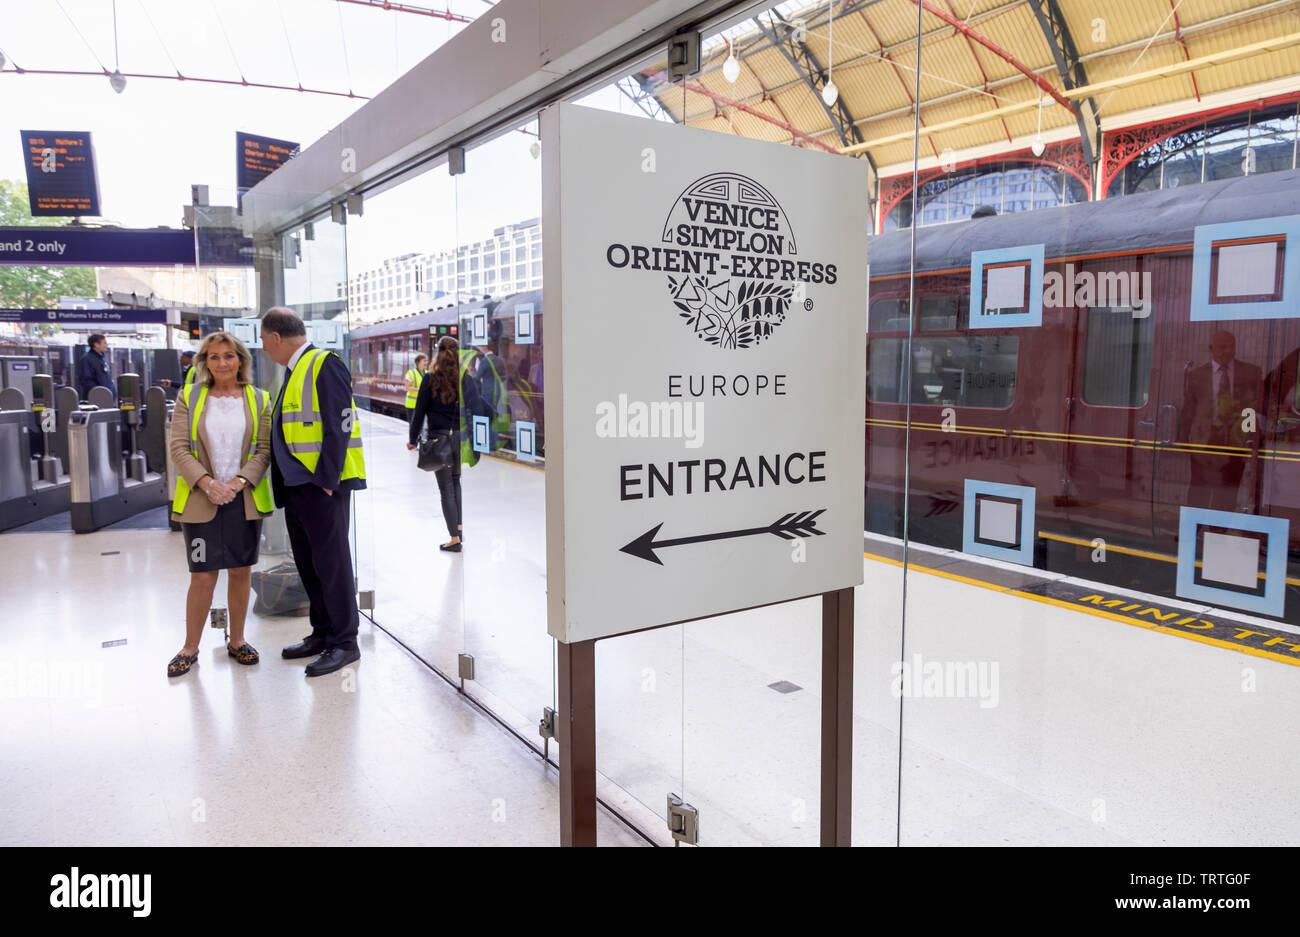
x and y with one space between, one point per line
224 423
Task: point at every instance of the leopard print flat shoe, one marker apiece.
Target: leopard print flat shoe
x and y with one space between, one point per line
181 664
245 653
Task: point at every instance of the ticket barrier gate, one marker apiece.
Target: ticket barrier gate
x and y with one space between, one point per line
31 489
110 475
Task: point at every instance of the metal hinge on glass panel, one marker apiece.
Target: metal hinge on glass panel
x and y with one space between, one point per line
339 213
683 821
456 160
546 729
366 600
218 619
683 56
465 664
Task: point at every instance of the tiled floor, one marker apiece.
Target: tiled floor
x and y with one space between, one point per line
100 747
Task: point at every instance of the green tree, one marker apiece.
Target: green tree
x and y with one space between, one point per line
34 287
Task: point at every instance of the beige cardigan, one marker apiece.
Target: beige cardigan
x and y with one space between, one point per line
198 509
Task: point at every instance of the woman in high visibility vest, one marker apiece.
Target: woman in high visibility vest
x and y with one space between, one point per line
220 445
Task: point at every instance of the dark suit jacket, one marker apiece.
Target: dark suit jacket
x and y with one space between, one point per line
334 396
1199 420
92 371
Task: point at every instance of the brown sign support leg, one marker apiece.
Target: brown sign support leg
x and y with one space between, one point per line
837 717
577 737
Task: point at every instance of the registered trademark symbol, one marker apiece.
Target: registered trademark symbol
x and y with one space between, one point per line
807 304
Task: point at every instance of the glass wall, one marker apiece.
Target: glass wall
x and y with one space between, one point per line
1081 432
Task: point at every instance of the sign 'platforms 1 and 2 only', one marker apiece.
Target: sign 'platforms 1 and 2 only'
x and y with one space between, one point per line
705 305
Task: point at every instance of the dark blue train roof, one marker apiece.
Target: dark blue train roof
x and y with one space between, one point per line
1128 223
422 320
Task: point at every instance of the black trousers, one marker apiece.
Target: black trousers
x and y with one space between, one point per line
318 536
449 490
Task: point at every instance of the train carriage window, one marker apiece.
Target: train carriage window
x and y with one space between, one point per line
940 312
888 315
1117 358
956 371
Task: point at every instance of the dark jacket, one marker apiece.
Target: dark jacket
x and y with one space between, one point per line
334 393
440 416
92 371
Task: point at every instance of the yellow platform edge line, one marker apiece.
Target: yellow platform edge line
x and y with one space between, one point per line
1099 613
1131 552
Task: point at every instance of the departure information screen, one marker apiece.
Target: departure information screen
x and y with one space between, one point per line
60 173
257 157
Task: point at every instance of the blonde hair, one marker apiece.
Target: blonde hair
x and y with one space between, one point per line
203 376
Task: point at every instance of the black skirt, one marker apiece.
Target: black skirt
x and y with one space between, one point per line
228 541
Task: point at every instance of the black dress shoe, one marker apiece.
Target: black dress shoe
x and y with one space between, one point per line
331 661
307 647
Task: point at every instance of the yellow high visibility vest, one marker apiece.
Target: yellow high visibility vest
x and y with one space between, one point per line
415 375
257 403
189 375
300 417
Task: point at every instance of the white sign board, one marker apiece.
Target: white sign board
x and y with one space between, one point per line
703 308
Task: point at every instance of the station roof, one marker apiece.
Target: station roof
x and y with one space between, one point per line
984 67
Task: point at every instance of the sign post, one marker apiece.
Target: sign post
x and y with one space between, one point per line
705 303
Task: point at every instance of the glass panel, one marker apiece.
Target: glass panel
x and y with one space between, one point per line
1126 498
418 588
967 371
1225 152
1272 139
1117 366
503 485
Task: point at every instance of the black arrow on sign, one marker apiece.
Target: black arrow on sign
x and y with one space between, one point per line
787 527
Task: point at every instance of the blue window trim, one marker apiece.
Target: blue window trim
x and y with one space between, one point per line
1277 529
1031 254
1284 226
1026 495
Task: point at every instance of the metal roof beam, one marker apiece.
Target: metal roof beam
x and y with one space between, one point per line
1057 33
805 64
997 50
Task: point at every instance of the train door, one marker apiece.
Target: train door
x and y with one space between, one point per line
1212 385
1280 445
1113 416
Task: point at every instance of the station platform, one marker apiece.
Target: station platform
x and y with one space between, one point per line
1077 725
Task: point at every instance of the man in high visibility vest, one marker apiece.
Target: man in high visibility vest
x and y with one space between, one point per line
316 464
413 378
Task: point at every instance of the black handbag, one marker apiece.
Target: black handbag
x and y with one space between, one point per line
436 451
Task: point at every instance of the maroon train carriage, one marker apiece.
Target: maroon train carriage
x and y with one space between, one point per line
1109 421
510 328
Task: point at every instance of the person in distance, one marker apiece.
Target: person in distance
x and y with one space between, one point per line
439 406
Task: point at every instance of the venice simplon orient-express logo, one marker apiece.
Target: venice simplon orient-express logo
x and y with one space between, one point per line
731 259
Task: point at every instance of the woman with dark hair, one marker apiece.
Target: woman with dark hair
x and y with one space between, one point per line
439 404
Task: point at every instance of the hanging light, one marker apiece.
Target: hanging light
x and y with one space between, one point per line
830 93
730 68
534 149
117 81
1039 146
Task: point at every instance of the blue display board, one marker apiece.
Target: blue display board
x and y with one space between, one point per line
76 317
122 247
61 178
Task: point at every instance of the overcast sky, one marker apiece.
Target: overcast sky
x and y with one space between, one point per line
159 136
